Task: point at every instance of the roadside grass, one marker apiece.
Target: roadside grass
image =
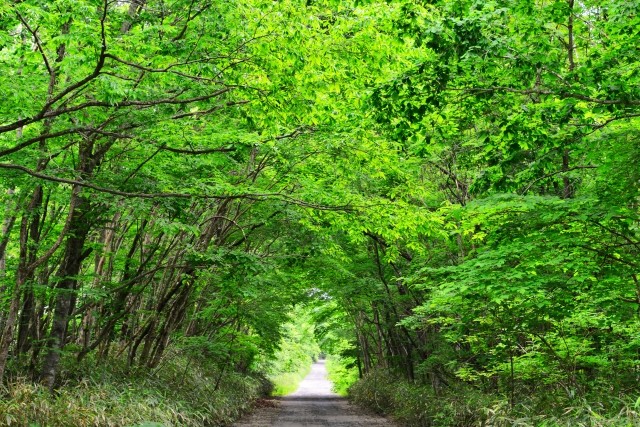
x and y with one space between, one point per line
179 393
339 372
415 405
288 382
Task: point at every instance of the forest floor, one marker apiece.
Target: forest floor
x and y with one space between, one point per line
312 405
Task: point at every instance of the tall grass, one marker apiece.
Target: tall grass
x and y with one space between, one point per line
177 394
415 405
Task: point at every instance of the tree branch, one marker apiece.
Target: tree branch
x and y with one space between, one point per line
561 94
555 173
38 44
252 196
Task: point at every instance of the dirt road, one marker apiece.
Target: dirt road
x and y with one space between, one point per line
312 405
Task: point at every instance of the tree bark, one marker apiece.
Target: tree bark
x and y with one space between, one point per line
67 275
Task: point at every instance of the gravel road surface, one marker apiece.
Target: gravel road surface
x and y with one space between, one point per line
312 405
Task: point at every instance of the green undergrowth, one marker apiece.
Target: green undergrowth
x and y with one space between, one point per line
342 373
287 382
178 393
296 352
414 405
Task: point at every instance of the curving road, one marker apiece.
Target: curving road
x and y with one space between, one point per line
312 405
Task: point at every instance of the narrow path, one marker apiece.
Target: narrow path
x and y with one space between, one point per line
313 405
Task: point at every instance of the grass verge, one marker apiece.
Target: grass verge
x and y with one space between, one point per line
177 394
288 382
415 405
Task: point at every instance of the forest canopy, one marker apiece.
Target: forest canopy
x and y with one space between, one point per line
450 188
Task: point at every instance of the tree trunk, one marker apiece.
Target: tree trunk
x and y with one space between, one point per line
24 273
65 298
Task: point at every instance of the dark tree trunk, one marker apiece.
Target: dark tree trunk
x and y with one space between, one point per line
65 288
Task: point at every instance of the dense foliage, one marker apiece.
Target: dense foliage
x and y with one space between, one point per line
181 394
449 186
297 350
522 118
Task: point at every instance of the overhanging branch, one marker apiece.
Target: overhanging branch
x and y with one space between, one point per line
252 196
